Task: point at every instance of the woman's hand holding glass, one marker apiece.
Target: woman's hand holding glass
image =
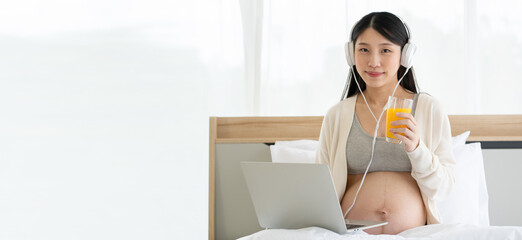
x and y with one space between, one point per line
408 134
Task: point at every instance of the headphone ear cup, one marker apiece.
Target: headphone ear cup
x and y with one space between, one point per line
350 58
407 54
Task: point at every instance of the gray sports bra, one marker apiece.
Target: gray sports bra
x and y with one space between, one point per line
387 156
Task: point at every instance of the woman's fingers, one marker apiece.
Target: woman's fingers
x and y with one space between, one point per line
406 123
404 131
407 131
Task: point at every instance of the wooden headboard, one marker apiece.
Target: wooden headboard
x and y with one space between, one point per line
493 131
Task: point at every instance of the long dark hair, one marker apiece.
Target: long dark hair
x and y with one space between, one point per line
393 29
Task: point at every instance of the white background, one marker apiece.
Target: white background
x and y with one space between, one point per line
104 105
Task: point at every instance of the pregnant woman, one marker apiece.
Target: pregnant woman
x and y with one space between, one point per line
404 181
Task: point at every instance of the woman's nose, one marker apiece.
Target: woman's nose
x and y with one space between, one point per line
375 61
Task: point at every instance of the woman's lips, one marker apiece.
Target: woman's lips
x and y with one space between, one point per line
374 74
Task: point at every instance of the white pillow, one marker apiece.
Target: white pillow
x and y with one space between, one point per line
468 201
299 151
460 140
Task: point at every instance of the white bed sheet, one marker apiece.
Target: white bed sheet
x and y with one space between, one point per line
434 231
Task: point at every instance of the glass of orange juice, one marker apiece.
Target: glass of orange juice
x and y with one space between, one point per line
394 106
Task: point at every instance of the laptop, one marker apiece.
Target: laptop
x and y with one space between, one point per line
297 195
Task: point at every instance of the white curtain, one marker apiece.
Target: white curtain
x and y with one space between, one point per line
468 53
302 66
252 23
104 115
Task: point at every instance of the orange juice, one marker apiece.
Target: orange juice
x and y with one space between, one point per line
391 116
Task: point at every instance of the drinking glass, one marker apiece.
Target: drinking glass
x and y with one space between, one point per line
394 106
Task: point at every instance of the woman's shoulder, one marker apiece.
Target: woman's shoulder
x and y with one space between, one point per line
427 99
342 106
427 102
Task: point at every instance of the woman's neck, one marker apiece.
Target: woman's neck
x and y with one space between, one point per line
379 97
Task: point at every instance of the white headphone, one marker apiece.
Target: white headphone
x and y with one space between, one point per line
406 55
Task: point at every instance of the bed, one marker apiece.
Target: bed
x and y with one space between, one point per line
237 139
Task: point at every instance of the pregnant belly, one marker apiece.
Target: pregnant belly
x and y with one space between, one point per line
386 196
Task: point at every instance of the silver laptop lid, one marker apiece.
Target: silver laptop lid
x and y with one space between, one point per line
293 195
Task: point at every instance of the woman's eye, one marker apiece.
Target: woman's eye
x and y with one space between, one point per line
363 50
386 50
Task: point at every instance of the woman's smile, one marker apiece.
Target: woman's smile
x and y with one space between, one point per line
374 74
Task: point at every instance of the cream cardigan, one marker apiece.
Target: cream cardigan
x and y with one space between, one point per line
432 161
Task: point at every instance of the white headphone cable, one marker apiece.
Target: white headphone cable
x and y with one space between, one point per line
374 136
368 105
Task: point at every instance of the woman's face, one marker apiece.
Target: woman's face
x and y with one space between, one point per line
377 59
